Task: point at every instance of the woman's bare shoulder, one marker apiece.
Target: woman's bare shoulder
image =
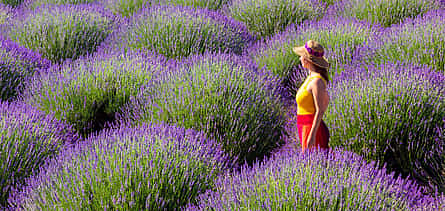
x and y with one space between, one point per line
316 83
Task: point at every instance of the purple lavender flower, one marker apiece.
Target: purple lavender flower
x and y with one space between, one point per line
292 180
5 13
415 41
265 18
90 91
62 32
17 66
127 8
28 138
153 167
392 113
223 95
383 12
177 32
33 4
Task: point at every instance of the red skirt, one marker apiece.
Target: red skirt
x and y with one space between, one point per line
304 125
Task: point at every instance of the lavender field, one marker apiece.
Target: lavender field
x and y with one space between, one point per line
190 105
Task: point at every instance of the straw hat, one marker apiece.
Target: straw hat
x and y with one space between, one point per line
314 52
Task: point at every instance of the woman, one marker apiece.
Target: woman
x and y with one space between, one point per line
312 97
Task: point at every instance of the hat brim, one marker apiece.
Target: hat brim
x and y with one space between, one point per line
319 61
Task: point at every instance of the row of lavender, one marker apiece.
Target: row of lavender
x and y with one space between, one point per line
130 83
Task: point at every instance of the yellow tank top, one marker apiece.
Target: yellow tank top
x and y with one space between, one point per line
305 100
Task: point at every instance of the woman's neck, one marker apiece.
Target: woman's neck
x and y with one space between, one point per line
312 73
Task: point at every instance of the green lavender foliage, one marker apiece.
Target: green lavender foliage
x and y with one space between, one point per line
292 180
415 41
28 138
62 32
265 18
178 32
392 113
383 12
5 13
127 8
150 167
222 95
89 92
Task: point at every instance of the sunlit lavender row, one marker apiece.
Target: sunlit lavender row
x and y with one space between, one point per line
88 93
17 66
394 114
150 167
384 12
186 104
415 41
178 32
29 138
265 18
61 32
223 95
338 180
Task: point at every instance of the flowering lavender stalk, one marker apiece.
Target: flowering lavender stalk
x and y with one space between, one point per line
28 138
88 92
330 2
11 3
384 12
17 66
344 40
416 41
224 96
265 18
150 167
293 180
177 32
128 7
62 32
392 113
5 13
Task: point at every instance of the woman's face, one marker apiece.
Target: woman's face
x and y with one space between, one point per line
303 61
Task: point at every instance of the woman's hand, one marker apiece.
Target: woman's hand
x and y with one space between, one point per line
311 142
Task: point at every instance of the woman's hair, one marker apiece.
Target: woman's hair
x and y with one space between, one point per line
321 70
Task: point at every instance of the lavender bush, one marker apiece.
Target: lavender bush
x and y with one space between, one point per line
224 96
210 4
383 12
265 18
28 138
17 66
415 41
62 32
88 92
344 41
128 7
392 113
151 167
177 32
33 4
292 180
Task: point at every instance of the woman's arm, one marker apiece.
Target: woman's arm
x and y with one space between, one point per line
321 102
